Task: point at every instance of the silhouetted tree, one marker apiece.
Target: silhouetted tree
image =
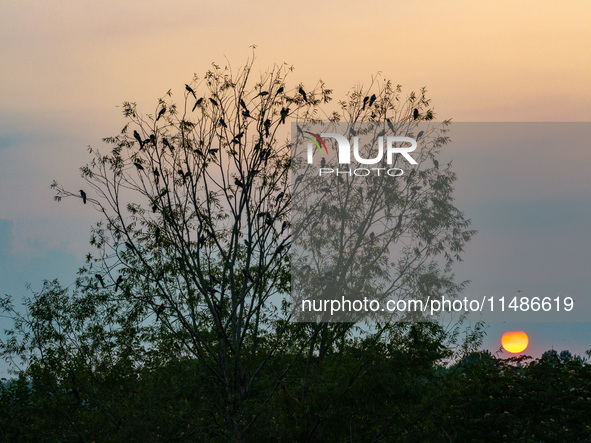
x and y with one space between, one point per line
192 271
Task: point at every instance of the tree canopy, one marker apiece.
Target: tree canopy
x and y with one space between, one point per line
180 323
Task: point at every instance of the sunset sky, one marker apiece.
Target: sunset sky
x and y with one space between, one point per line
65 66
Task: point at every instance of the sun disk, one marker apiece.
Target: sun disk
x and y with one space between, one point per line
515 341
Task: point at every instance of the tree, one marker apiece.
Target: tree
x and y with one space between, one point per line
192 265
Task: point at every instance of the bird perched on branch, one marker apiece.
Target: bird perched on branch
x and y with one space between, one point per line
283 114
167 144
197 103
136 135
301 91
267 125
188 88
159 310
83 195
161 113
118 283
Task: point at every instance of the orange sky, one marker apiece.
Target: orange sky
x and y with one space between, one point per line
481 61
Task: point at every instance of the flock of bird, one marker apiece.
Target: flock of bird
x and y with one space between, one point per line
269 220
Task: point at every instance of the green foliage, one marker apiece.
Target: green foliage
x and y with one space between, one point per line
178 327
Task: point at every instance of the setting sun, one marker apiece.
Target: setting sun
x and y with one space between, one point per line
515 341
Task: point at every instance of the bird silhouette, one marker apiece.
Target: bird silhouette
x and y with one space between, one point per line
372 99
156 176
136 135
213 102
161 113
197 103
322 162
301 91
157 235
279 197
167 144
118 283
238 182
420 134
83 195
263 93
365 100
267 125
243 105
188 88
223 123
436 163
283 114
159 310
415 114
138 165
390 125
99 277
280 90
283 226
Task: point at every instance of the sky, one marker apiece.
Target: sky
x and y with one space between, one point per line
66 66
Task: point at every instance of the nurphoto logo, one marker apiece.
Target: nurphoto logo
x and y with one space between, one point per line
394 145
